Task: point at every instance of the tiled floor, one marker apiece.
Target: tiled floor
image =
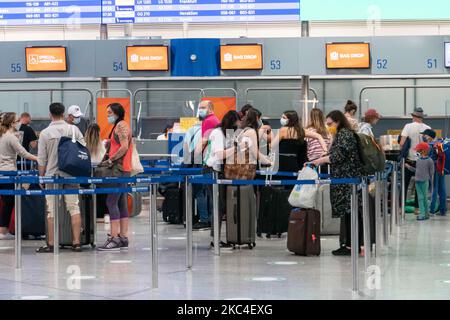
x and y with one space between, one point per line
416 266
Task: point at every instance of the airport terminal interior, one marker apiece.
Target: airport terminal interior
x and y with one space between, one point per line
172 66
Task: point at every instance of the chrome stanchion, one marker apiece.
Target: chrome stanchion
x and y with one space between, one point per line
394 196
94 214
154 235
385 212
189 244
354 240
18 226
403 191
366 223
215 195
56 221
377 214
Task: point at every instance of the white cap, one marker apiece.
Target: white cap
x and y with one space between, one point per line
75 111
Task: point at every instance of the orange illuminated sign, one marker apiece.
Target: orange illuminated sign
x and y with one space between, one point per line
148 58
241 57
46 59
348 56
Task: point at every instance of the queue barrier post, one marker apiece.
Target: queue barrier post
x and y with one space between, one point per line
354 238
18 227
56 221
189 242
216 217
403 217
385 212
377 215
366 224
394 196
154 235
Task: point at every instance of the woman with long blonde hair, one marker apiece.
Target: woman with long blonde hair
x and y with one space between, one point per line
317 125
94 145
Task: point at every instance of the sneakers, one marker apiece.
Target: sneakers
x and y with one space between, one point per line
201 226
123 243
422 217
342 251
112 244
7 236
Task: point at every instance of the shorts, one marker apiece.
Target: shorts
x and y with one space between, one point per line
71 201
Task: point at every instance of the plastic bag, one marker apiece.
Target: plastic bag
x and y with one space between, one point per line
304 196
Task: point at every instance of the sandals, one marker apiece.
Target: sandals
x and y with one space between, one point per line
45 249
76 248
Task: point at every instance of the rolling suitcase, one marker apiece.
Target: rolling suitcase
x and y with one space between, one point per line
33 216
329 225
304 232
134 201
172 207
87 222
241 215
274 209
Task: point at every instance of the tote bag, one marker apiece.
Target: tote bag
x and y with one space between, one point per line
304 195
136 165
73 158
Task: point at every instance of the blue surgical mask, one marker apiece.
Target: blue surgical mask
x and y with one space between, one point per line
202 114
76 120
284 122
260 123
112 119
424 139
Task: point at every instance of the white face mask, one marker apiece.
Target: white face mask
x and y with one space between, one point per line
284 122
17 126
76 120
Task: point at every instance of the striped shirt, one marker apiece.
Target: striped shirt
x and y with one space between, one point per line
315 150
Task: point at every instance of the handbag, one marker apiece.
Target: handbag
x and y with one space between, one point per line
111 171
136 165
304 195
240 171
73 158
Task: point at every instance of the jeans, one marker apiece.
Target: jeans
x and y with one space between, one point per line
439 189
422 195
200 193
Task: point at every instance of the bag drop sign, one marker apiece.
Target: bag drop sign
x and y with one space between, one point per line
348 55
241 57
46 59
148 58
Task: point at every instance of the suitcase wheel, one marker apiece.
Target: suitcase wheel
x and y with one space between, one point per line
279 235
251 245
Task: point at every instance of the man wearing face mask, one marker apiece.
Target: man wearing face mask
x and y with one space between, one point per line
76 117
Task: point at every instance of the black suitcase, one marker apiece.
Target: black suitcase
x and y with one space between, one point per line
173 204
87 222
274 209
33 216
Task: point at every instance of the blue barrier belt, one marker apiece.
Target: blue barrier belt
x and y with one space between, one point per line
274 182
87 180
71 191
18 173
287 174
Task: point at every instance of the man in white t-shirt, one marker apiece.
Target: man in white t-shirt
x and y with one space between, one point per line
413 132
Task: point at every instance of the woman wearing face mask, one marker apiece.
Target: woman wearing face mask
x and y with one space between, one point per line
10 147
291 143
345 163
119 154
220 147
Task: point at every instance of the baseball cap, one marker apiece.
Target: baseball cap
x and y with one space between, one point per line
422 146
75 111
430 133
372 113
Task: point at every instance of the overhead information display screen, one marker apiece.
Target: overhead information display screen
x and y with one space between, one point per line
348 55
241 57
69 12
148 58
173 11
46 59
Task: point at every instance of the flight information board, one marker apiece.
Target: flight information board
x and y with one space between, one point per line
173 11
28 12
